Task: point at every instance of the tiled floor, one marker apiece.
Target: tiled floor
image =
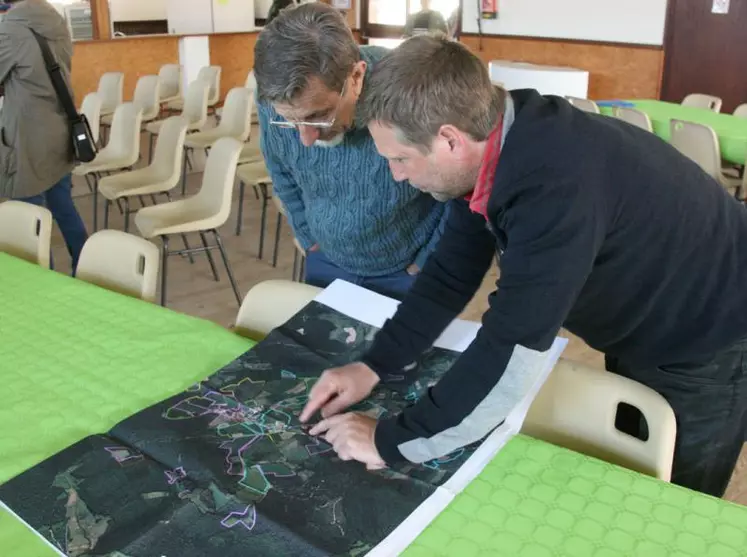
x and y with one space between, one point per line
192 290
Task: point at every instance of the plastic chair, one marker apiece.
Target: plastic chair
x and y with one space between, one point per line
91 108
299 257
194 113
111 91
160 177
700 143
251 84
146 97
577 406
270 304
122 151
236 124
584 104
120 262
26 231
635 117
254 174
170 78
204 212
741 111
706 102
210 75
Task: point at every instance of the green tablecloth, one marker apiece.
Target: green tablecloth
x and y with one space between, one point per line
75 359
731 130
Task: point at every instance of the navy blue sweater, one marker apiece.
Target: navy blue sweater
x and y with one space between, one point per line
602 228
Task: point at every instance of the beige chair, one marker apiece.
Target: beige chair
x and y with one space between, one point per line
111 91
700 143
91 108
251 84
706 102
122 151
170 79
146 97
194 113
210 75
741 111
235 124
584 104
253 174
204 212
635 117
270 304
299 256
158 178
577 406
120 262
26 231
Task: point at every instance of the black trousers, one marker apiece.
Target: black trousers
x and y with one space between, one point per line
709 400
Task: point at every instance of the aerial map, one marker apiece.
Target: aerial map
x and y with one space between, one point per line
226 468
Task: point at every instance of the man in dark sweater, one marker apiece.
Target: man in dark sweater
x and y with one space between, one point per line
600 227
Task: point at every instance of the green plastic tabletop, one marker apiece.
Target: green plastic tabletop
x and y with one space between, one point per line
76 359
731 130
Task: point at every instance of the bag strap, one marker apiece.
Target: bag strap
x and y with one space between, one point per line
58 79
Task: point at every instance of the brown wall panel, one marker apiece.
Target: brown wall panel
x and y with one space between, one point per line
135 57
616 71
234 52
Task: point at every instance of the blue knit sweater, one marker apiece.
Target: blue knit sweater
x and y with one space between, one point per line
345 199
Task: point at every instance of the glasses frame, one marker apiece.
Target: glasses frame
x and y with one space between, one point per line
287 124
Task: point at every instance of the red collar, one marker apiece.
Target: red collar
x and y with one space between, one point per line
478 199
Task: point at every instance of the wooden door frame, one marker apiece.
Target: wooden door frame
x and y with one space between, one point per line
668 39
379 31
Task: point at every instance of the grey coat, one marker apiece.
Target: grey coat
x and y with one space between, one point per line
35 148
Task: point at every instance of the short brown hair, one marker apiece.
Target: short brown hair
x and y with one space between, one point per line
428 82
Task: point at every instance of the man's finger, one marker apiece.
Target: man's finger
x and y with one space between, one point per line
338 404
319 395
324 425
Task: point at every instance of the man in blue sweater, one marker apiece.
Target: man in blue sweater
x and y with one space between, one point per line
601 227
354 221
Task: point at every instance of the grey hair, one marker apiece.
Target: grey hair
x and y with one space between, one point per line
428 82
302 42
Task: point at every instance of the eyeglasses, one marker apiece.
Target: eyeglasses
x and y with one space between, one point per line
324 125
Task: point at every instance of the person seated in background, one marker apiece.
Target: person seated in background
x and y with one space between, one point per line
425 21
601 227
276 7
36 156
353 219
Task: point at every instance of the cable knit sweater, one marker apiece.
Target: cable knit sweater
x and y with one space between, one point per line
345 199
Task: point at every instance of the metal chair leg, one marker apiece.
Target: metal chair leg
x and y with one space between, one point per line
107 205
126 213
186 245
295 266
256 192
184 171
228 267
150 152
263 219
95 202
164 262
240 214
278 226
302 270
153 199
88 182
142 200
209 256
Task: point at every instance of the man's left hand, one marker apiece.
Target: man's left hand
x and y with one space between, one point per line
352 437
413 269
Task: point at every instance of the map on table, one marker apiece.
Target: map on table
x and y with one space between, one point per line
225 468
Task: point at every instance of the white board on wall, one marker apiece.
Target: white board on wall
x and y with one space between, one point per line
190 17
233 16
138 10
632 21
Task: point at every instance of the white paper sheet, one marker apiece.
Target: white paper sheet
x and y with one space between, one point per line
374 309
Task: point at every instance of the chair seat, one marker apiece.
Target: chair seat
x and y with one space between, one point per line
253 173
107 118
171 99
155 127
176 217
176 104
104 162
205 139
144 181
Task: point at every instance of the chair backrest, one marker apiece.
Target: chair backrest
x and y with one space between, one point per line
577 406
270 304
211 75
26 231
219 177
251 81
635 117
91 108
236 120
124 138
146 96
167 158
699 143
741 111
120 262
170 78
196 104
111 91
584 104
699 100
